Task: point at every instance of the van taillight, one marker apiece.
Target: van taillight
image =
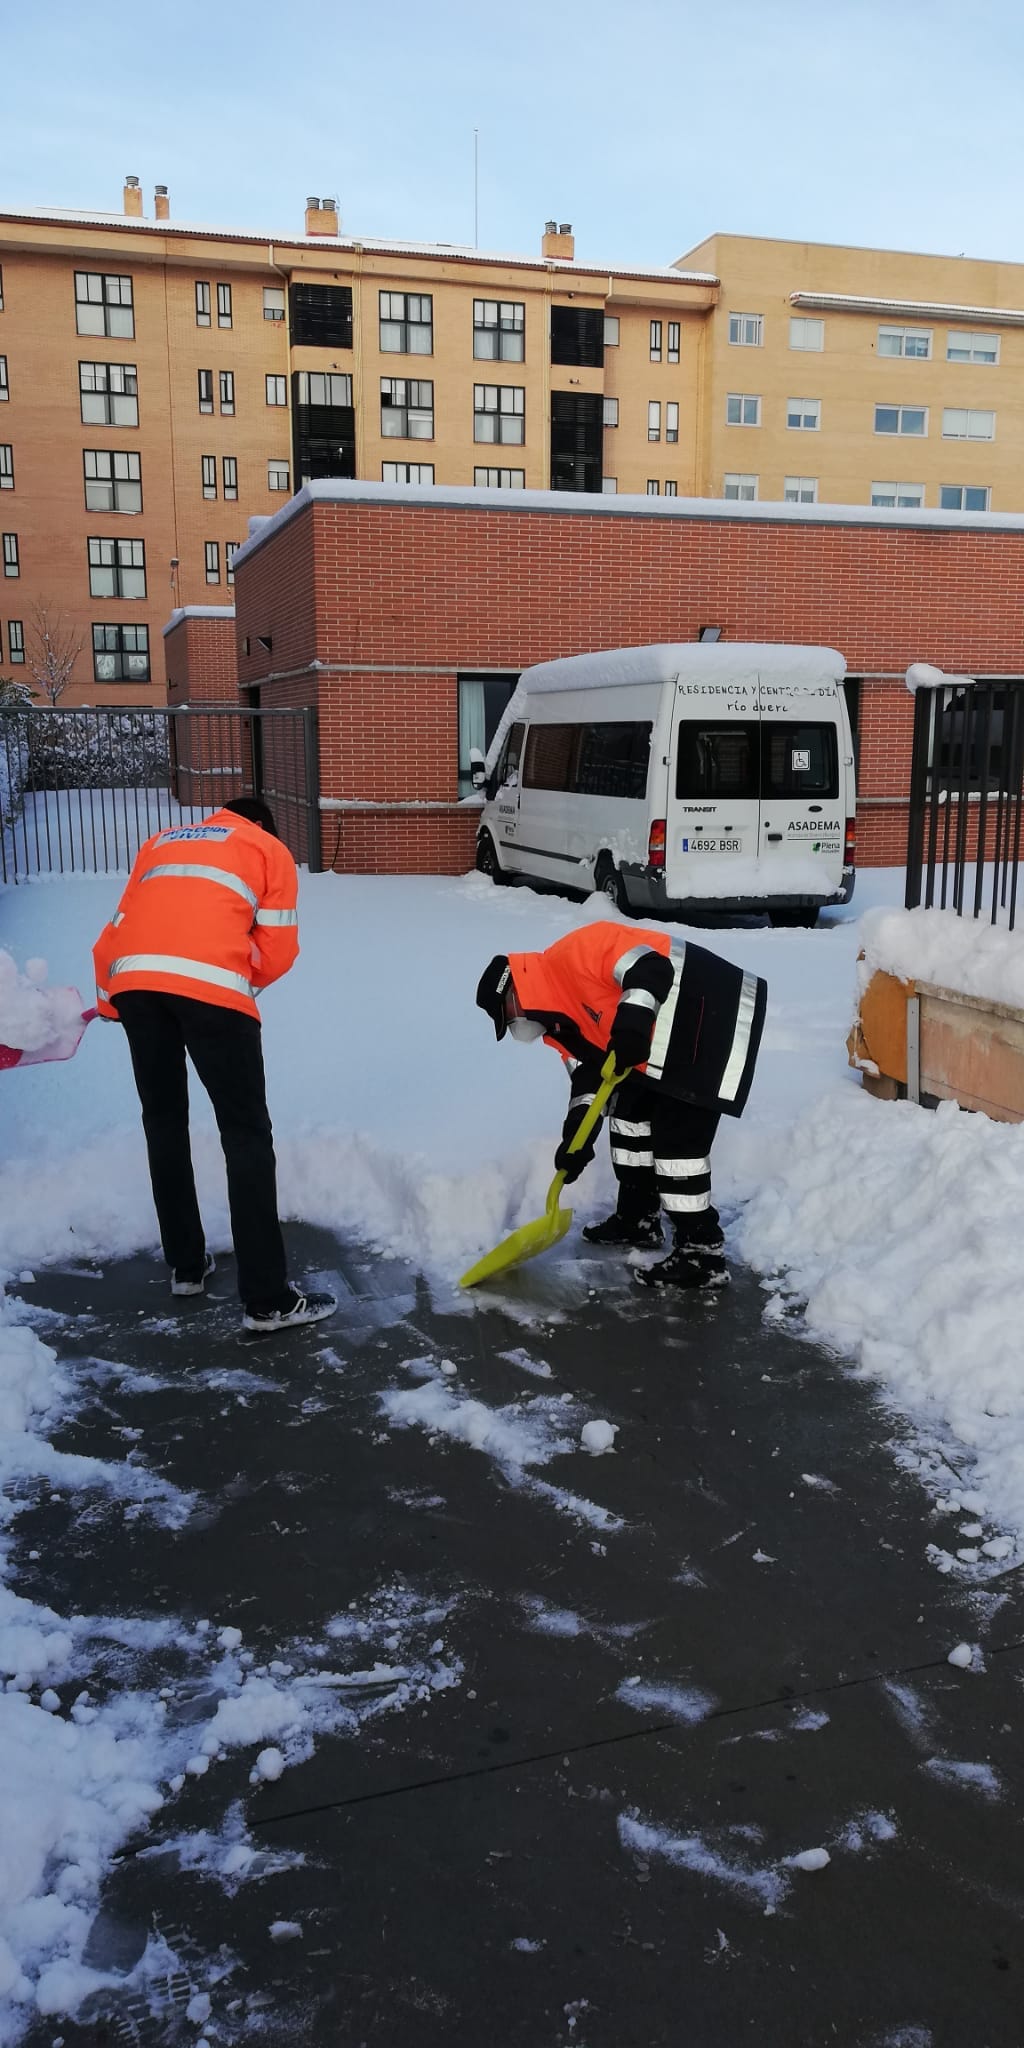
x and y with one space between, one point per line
656 844
850 843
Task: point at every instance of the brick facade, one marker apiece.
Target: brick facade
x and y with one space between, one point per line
373 607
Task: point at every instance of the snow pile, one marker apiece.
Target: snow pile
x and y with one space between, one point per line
32 1015
523 1433
936 946
599 1437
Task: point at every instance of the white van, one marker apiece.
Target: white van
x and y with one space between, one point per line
704 776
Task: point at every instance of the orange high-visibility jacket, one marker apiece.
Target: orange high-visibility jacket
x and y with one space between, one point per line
707 1019
210 911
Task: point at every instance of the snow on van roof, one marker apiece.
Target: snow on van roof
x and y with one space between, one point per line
718 661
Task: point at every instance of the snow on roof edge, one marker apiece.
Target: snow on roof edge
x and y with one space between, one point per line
723 660
197 611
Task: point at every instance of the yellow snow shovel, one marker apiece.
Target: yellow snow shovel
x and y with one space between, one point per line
532 1238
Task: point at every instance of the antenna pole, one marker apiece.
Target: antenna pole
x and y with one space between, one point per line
476 188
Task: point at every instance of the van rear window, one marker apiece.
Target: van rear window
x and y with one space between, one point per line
717 761
799 760
610 759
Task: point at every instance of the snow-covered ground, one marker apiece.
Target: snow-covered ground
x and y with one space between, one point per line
399 1120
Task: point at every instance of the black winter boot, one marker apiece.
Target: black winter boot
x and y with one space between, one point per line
701 1232
644 1233
703 1269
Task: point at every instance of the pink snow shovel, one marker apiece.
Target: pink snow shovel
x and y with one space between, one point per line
62 1047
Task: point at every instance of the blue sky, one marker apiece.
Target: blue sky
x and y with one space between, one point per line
645 125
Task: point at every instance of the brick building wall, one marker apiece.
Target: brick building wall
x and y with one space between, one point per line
374 605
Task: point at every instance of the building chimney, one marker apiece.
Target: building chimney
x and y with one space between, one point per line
161 204
133 198
558 240
321 216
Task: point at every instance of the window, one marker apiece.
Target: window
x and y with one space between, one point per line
898 497
961 425
317 388
6 466
212 553
5 389
273 302
737 486
965 497
671 490
482 703
607 759
231 548
610 485
653 487
549 760
741 410
746 330
905 341
321 315
12 565
109 394
223 305
229 469
717 761
499 412
500 479
120 654
209 476
277 476
205 390
227 391
117 568
16 641
798 760
406 409
104 305
655 341
806 334
800 490
202 304
972 348
407 472
406 323
610 412
901 419
611 330
499 330
673 341
671 421
113 481
577 336
804 414
654 420
277 390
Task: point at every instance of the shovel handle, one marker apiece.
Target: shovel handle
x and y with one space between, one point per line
610 1080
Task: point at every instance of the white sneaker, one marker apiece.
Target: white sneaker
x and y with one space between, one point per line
306 1308
195 1286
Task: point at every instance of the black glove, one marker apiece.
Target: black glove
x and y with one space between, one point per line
573 1163
630 1035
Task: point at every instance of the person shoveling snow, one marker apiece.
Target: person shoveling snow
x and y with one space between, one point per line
689 1024
36 1022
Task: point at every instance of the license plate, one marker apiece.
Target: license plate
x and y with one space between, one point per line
703 845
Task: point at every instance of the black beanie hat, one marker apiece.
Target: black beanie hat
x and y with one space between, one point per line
490 994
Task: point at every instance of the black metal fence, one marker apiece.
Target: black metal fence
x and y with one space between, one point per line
964 833
80 791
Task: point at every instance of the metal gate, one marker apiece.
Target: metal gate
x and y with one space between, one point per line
967 797
80 791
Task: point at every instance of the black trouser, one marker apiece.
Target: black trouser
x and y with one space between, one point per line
661 1155
226 1050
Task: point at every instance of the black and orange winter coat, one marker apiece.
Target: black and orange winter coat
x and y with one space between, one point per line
701 1016
210 911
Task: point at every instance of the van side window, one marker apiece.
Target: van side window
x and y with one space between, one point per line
717 761
507 767
799 760
613 760
551 752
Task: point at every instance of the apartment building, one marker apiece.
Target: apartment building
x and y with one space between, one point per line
161 383
862 377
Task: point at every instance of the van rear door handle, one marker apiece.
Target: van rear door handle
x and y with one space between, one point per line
773 836
814 807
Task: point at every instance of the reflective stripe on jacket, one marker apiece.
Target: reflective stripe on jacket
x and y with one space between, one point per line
707 1027
210 911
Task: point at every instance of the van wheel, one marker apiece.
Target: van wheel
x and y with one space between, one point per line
608 882
794 919
487 862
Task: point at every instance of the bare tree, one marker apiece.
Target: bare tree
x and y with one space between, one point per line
54 646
